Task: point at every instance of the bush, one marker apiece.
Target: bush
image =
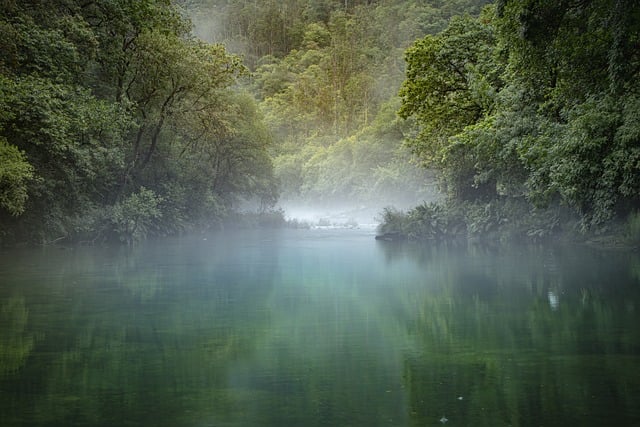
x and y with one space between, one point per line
132 218
434 222
506 219
484 218
393 221
429 221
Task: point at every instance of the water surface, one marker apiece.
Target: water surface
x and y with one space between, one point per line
318 328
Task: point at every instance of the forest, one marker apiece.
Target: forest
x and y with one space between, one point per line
121 119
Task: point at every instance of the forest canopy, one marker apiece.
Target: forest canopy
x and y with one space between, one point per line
530 111
117 123
120 119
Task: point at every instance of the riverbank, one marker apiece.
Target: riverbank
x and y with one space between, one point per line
504 221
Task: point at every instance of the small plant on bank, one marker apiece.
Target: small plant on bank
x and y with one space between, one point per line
499 219
433 221
393 222
429 221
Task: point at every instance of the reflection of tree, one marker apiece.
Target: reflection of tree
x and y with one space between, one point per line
169 370
311 334
494 350
166 361
143 336
15 342
331 353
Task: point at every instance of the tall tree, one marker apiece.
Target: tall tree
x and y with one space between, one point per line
579 62
452 81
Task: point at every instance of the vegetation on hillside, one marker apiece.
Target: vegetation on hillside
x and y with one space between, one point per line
116 123
120 119
326 75
530 112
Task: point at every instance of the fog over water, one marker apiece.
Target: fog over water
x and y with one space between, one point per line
365 212
341 216
326 324
318 327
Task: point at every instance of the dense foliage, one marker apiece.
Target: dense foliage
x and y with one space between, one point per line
533 107
117 123
122 119
326 74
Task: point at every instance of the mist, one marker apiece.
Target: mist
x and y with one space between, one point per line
352 212
326 240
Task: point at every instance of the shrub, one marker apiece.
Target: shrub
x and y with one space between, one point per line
428 221
505 219
132 218
393 221
433 221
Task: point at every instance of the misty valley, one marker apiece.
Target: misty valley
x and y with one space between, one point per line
230 213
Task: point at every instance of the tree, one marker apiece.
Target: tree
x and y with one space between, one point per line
566 51
15 174
451 84
74 143
576 62
95 101
231 161
169 79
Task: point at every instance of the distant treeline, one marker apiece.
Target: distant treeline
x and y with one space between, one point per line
326 74
525 111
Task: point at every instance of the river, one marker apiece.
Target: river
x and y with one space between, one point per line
318 328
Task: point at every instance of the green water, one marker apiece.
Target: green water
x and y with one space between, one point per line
318 328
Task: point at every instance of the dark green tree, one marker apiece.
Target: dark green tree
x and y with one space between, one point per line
451 87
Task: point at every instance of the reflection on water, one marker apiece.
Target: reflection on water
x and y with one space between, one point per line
318 328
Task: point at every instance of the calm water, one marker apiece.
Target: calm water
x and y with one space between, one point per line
318 328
